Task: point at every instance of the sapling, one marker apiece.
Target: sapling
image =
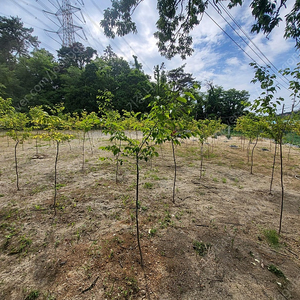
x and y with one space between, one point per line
140 150
111 121
54 126
267 106
38 118
202 129
172 116
252 127
86 124
16 124
137 149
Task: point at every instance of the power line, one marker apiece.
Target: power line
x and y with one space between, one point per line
217 9
258 55
251 58
250 40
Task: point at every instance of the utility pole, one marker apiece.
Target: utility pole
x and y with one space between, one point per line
64 14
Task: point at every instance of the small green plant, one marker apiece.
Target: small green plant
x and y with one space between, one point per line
22 245
111 253
273 269
224 180
201 248
60 185
148 185
166 220
152 232
215 179
272 237
32 295
178 215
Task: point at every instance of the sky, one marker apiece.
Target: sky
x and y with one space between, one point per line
216 57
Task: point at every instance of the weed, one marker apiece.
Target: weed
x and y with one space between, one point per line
116 215
273 269
38 189
167 220
32 295
144 208
1 195
22 245
125 199
117 240
152 232
60 185
224 180
201 248
215 179
178 215
272 237
111 253
148 185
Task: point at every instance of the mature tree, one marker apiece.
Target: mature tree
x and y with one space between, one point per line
37 79
76 55
177 18
179 79
15 39
227 105
160 79
108 53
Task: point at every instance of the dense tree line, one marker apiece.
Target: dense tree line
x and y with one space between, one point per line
79 76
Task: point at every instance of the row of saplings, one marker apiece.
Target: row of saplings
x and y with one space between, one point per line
168 120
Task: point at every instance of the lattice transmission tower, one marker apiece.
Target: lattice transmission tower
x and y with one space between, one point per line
64 14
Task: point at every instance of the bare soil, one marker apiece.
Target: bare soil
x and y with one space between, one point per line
211 244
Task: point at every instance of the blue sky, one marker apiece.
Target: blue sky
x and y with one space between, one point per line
216 58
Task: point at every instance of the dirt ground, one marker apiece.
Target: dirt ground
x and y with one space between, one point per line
218 241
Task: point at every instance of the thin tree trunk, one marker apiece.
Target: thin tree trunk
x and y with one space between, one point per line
91 142
207 149
137 209
282 187
16 164
248 150
117 168
175 170
273 168
55 177
83 150
201 160
36 146
253 154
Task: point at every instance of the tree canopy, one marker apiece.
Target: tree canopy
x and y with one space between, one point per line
177 18
15 39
